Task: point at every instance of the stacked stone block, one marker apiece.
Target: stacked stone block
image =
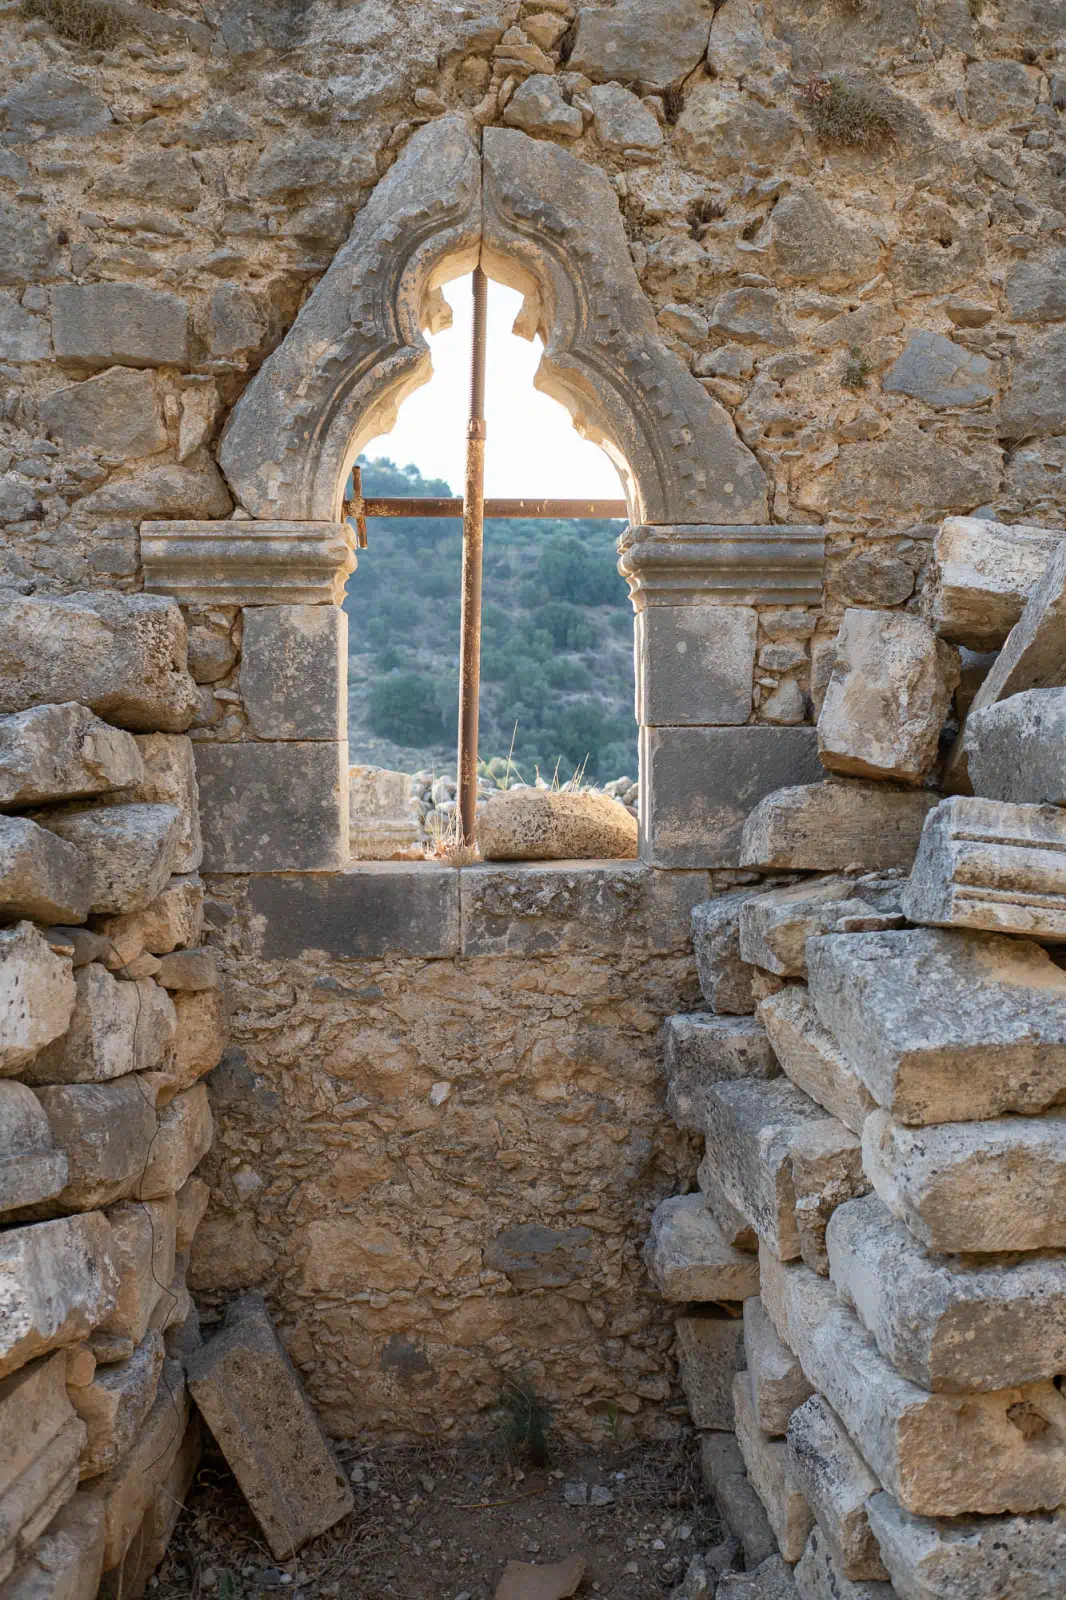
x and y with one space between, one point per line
109 1018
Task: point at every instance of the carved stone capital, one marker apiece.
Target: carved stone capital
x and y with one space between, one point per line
247 563
764 565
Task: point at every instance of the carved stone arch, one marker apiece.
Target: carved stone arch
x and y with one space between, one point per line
541 221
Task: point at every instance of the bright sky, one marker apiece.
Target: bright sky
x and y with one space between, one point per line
532 447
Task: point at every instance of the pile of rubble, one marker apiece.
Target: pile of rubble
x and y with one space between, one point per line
871 1274
110 1015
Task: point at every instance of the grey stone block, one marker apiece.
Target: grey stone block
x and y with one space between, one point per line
742 1511
119 324
294 672
810 1057
983 574
836 1483
732 1224
699 1049
29 250
1013 1558
725 978
770 1580
775 926
1034 402
106 1131
38 997
51 753
49 102
274 807
699 784
940 372
30 1169
688 1258
778 1385
822 827
771 1473
1016 750
130 850
41 875
117 413
60 1278
818 1575
695 665
657 44
710 1352
365 913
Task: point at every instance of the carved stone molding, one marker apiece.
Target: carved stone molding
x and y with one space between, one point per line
765 565
247 563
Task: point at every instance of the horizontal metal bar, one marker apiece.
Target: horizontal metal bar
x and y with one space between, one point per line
415 506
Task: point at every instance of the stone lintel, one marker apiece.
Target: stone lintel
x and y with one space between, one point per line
701 564
369 911
247 563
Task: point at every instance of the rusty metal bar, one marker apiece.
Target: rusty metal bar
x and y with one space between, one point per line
473 539
414 506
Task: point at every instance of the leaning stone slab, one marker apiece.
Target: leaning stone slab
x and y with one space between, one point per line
725 977
818 1575
545 825
777 1382
991 865
688 1258
775 927
57 1281
251 1399
40 1440
37 996
41 876
725 1475
710 1352
945 1026
836 1483
123 656
130 850
822 827
115 1404
967 1187
1016 749
1012 1558
770 1471
811 1058
699 1049
106 1131
30 1169
65 1562
826 1171
116 1028
984 573
938 1455
62 753
951 1325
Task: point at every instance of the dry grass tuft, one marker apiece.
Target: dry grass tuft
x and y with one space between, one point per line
78 21
846 111
856 371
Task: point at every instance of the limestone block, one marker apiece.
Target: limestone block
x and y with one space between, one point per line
152 1539
699 1049
127 1489
735 1228
836 1483
23 337
388 908
41 876
57 1281
119 324
117 413
657 44
174 919
983 575
710 1351
695 664
811 243
194 971
116 1028
251 1399
192 1201
123 656
938 1455
688 1259
939 372
1016 749
750 1126
888 697
115 1404
826 1171
201 1038
621 122
37 996
106 1131
170 779
822 827
145 1245
64 1563
810 1057
945 1026
719 126
771 1474
991 865
546 825
383 817
1012 1558
973 1186
770 1580
775 927
725 979
184 1137
30 1169
294 672
1034 400
539 107
777 1382
130 850
40 1439
274 807
62 753
699 784
818 1575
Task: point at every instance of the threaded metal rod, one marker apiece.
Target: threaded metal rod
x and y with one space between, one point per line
473 539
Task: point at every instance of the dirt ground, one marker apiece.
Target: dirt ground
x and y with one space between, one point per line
435 1523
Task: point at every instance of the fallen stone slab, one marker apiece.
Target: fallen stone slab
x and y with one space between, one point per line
40 1441
950 1325
106 1131
57 1281
688 1259
37 996
1016 749
777 1382
41 876
888 697
116 1028
983 575
775 927
1012 1558
826 1171
145 1245
836 1483
183 1138
725 978
710 1352
65 1562
945 1026
30 1168
967 1187
700 1049
811 1059
130 850
547 825
62 752
823 827
938 1455
743 1513
733 1226
125 1492
770 1473
818 1575
115 1404
771 1580
251 1399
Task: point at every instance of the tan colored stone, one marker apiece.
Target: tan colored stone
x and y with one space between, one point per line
115 1404
688 1258
775 927
742 1512
202 1033
62 753
734 1227
170 779
818 1575
836 1483
41 876
116 1028
57 1281
710 1351
126 1490
149 1544
173 920
40 1440
771 1473
145 1244
130 850
554 1580
984 573
1012 1558
778 1385
699 1050
227 1253
106 1131
826 1171
547 825
64 1563
189 969
184 1137
822 827
37 996
383 816
30 1168
192 1201
810 1057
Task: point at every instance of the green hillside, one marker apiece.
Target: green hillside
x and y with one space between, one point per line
557 641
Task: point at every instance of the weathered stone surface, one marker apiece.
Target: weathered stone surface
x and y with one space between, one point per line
174 918
752 316
145 1243
1016 749
277 807
937 1455
699 1050
169 176
117 413
388 908
30 249
532 1256
771 1474
195 970
115 1028
770 1580
775 926
119 324
694 664
193 490
710 1352
294 665
49 102
821 827
184 1137
741 1509
123 656
106 1131
547 825
656 44
36 996
200 1042
826 1163
30 1169
725 979
1013 1558
945 1027
733 1226
127 1489
818 1575
836 1483
170 779
250 1396
41 876
810 1057
383 815
777 1382
720 129
940 372
810 243
65 1562
945 473
973 1186
41 1439
688 1258
998 91
57 1281
23 337
152 1539
988 864
888 697
62 753
983 576
538 106
130 850
1033 404
1035 291
115 1404
621 121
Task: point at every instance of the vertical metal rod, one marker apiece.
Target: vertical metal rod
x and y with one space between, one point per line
473 534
